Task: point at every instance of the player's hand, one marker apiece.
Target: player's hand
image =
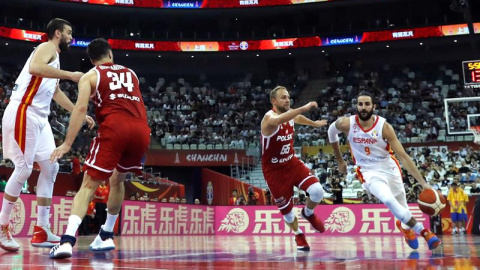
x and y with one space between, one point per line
75 76
320 123
310 105
90 122
59 152
342 167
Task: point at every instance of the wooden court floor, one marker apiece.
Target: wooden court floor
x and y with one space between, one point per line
254 252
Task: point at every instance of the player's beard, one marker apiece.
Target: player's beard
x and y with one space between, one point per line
64 46
282 109
367 117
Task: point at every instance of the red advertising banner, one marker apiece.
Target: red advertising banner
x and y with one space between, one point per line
137 218
196 4
339 219
195 158
146 218
256 45
400 34
21 34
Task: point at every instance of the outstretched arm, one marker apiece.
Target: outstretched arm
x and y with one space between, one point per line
389 135
78 115
302 120
271 120
342 125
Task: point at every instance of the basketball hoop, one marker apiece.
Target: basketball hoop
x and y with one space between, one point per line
476 132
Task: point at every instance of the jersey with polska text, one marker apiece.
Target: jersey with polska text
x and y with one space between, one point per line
277 148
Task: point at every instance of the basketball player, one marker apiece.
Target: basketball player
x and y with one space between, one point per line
27 135
372 140
122 140
282 170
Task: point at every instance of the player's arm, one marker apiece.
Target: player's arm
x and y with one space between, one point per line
271 120
389 135
302 120
43 55
276 120
62 100
342 125
78 115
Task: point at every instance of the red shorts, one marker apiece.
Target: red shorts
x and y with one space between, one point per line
120 144
281 178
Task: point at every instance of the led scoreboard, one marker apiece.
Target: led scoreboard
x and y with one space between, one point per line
471 72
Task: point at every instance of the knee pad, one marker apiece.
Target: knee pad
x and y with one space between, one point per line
290 217
46 179
315 192
16 181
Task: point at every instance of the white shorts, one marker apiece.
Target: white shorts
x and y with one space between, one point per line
25 139
388 172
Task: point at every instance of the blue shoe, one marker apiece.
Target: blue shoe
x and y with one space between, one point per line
410 237
432 240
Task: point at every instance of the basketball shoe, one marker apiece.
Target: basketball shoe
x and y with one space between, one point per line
103 241
6 240
410 237
64 248
43 237
301 242
317 224
432 240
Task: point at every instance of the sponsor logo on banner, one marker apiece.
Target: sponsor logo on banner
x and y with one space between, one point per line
145 46
243 45
236 221
80 42
341 220
234 46
403 34
341 40
182 3
248 2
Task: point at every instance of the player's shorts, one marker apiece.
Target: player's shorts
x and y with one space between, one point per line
388 172
26 136
120 144
281 178
456 217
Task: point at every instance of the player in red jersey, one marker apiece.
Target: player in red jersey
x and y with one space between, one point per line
281 169
122 140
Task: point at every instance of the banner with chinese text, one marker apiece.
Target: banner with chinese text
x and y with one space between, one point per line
339 219
150 218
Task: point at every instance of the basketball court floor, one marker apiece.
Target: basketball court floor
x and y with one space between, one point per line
255 252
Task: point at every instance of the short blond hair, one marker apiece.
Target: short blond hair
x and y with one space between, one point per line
273 93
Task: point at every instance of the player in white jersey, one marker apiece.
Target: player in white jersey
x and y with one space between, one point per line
372 140
27 135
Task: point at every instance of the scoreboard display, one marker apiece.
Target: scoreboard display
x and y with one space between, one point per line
471 72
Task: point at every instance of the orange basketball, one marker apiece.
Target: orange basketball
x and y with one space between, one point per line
431 202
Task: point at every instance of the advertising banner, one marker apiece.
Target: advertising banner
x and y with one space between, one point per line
339 219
